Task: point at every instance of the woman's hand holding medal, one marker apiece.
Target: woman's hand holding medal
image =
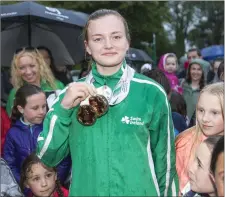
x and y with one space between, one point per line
92 108
92 102
77 92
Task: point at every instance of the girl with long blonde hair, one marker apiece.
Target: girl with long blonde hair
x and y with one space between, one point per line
28 66
210 122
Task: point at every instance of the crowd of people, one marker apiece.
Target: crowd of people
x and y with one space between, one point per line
114 132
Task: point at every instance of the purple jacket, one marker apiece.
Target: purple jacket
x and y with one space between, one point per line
174 82
21 140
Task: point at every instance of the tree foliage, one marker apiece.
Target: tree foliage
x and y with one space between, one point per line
201 23
144 18
181 18
210 29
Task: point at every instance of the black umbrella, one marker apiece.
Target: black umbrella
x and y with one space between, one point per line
32 24
138 55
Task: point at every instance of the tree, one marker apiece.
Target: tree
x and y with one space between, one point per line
210 29
181 18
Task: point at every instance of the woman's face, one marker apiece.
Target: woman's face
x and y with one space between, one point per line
196 72
219 175
107 42
28 69
210 114
199 174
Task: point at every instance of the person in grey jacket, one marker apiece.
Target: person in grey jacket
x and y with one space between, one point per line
9 186
192 85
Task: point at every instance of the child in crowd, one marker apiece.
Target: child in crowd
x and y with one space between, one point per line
200 183
168 64
179 111
40 179
210 121
217 167
27 116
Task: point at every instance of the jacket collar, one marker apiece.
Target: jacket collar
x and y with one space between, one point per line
24 126
111 80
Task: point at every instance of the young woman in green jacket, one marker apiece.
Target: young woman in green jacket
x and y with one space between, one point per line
115 123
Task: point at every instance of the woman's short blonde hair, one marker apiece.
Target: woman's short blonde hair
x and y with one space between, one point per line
44 69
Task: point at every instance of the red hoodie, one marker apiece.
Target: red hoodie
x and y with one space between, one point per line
55 194
5 125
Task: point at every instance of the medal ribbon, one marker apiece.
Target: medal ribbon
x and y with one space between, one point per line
122 88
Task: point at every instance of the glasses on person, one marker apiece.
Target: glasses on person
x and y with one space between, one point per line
88 114
28 49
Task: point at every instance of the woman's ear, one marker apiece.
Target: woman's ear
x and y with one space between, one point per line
87 47
20 109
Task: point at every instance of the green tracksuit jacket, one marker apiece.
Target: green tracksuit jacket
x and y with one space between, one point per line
127 152
44 86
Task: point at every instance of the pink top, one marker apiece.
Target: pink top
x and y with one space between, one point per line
183 144
174 82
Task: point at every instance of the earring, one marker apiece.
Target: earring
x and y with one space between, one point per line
22 111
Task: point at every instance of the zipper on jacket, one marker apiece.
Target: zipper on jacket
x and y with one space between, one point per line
32 141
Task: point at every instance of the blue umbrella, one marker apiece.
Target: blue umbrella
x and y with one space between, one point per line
31 24
212 52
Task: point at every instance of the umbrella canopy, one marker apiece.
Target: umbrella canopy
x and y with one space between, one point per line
138 55
32 24
212 52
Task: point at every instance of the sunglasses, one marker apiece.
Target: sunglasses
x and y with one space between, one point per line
88 114
28 49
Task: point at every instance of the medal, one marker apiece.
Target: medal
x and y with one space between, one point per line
88 113
100 104
94 107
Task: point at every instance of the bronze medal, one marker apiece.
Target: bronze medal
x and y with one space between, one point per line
100 104
86 115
